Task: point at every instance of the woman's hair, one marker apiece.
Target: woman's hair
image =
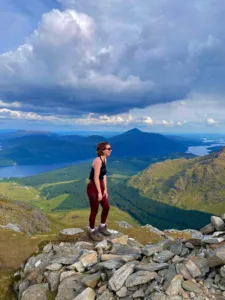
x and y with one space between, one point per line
101 147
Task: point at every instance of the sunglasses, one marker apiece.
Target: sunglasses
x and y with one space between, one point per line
110 149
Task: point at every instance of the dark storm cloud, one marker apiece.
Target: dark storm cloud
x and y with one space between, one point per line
112 56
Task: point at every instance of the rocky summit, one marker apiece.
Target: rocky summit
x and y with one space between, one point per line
120 267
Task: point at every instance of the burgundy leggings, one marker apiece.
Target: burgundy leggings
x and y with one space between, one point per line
94 203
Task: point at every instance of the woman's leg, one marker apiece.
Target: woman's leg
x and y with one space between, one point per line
105 209
94 203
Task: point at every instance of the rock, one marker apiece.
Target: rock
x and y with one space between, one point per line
89 259
218 223
120 276
66 274
189 245
125 249
87 294
158 296
54 267
174 287
69 288
53 280
111 264
151 249
191 286
92 280
140 277
11 226
103 244
209 239
163 256
217 257
71 231
192 268
139 294
124 224
107 295
207 229
121 240
151 266
222 271
47 248
183 270
36 292
122 292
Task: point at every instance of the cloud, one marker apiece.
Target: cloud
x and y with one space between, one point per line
107 58
211 121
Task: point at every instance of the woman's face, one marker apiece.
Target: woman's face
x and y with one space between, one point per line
107 150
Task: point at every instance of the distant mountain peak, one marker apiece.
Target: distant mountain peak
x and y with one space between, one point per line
133 131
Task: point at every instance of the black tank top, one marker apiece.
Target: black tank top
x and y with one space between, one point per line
103 171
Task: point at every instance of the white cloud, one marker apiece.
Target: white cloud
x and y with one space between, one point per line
15 104
148 120
210 121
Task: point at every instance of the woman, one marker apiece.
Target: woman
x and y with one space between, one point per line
97 192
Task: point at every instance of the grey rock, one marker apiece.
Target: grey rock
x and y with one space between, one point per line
107 295
190 286
139 294
189 245
218 223
140 277
122 292
222 271
47 248
217 257
151 249
209 239
70 287
185 251
92 280
120 276
176 248
36 292
221 285
54 267
163 256
208 283
174 286
124 224
151 266
207 229
87 294
125 249
110 264
23 286
158 296
217 278
53 280
11 226
71 231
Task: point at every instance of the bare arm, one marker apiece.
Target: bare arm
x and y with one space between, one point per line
97 166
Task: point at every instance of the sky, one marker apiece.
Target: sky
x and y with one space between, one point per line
113 65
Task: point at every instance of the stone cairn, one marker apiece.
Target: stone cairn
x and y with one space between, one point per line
120 267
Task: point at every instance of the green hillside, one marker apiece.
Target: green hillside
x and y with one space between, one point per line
197 183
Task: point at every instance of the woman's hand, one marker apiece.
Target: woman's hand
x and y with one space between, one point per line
105 193
100 196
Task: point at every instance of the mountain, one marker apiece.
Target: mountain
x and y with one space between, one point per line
139 143
197 183
45 148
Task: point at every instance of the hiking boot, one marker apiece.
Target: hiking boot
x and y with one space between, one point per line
103 230
95 236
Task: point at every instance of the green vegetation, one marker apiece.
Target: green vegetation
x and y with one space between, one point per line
196 183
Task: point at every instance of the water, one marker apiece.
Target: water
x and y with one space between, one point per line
204 150
29 170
